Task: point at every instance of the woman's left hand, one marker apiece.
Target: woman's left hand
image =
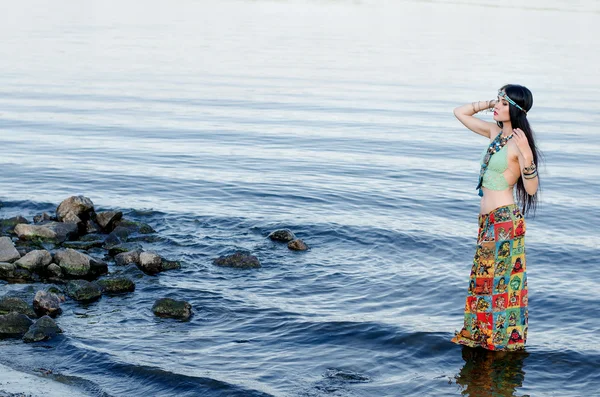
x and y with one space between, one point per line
522 143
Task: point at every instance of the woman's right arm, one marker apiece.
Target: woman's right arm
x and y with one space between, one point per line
465 114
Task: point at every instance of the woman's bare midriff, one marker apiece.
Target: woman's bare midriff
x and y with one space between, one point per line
493 199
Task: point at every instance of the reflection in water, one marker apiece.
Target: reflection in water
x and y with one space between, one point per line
491 374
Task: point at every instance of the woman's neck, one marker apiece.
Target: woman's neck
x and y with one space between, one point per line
506 128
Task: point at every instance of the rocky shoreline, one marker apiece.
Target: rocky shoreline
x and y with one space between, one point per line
63 249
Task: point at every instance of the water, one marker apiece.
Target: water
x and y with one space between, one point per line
218 122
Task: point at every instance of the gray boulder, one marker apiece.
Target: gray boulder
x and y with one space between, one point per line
35 260
297 245
116 285
282 235
74 264
150 262
75 209
171 308
46 303
107 220
126 258
51 231
14 325
12 304
239 260
83 291
8 252
43 329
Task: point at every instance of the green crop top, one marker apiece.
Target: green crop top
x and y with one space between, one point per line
493 178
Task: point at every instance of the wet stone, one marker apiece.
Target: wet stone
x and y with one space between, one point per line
171 308
282 235
239 260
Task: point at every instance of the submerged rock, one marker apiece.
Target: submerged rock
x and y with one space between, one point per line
135 227
35 260
43 329
14 325
116 285
240 260
171 308
125 247
51 231
8 252
297 245
46 303
12 304
74 264
75 209
83 291
7 226
282 235
170 265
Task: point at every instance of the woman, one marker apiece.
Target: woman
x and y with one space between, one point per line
496 306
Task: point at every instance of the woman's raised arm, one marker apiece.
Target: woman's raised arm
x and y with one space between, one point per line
465 114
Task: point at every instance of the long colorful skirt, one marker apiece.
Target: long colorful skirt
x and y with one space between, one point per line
496 306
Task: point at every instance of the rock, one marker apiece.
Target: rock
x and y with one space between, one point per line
7 270
83 245
21 275
171 308
43 329
108 219
35 260
12 304
135 227
282 235
14 325
75 209
170 265
46 303
54 271
125 247
7 226
150 262
126 258
91 227
83 291
118 236
8 252
297 245
116 285
43 217
74 264
58 292
51 231
240 260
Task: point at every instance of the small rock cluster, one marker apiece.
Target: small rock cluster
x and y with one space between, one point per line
49 250
20 320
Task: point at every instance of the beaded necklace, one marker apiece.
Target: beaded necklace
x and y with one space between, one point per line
495 146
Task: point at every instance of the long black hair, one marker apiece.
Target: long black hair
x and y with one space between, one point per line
524 98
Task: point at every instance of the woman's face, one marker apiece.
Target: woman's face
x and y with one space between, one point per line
501 112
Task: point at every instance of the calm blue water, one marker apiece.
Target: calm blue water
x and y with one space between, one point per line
218 122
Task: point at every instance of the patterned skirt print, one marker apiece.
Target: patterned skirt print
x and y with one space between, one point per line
496 305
